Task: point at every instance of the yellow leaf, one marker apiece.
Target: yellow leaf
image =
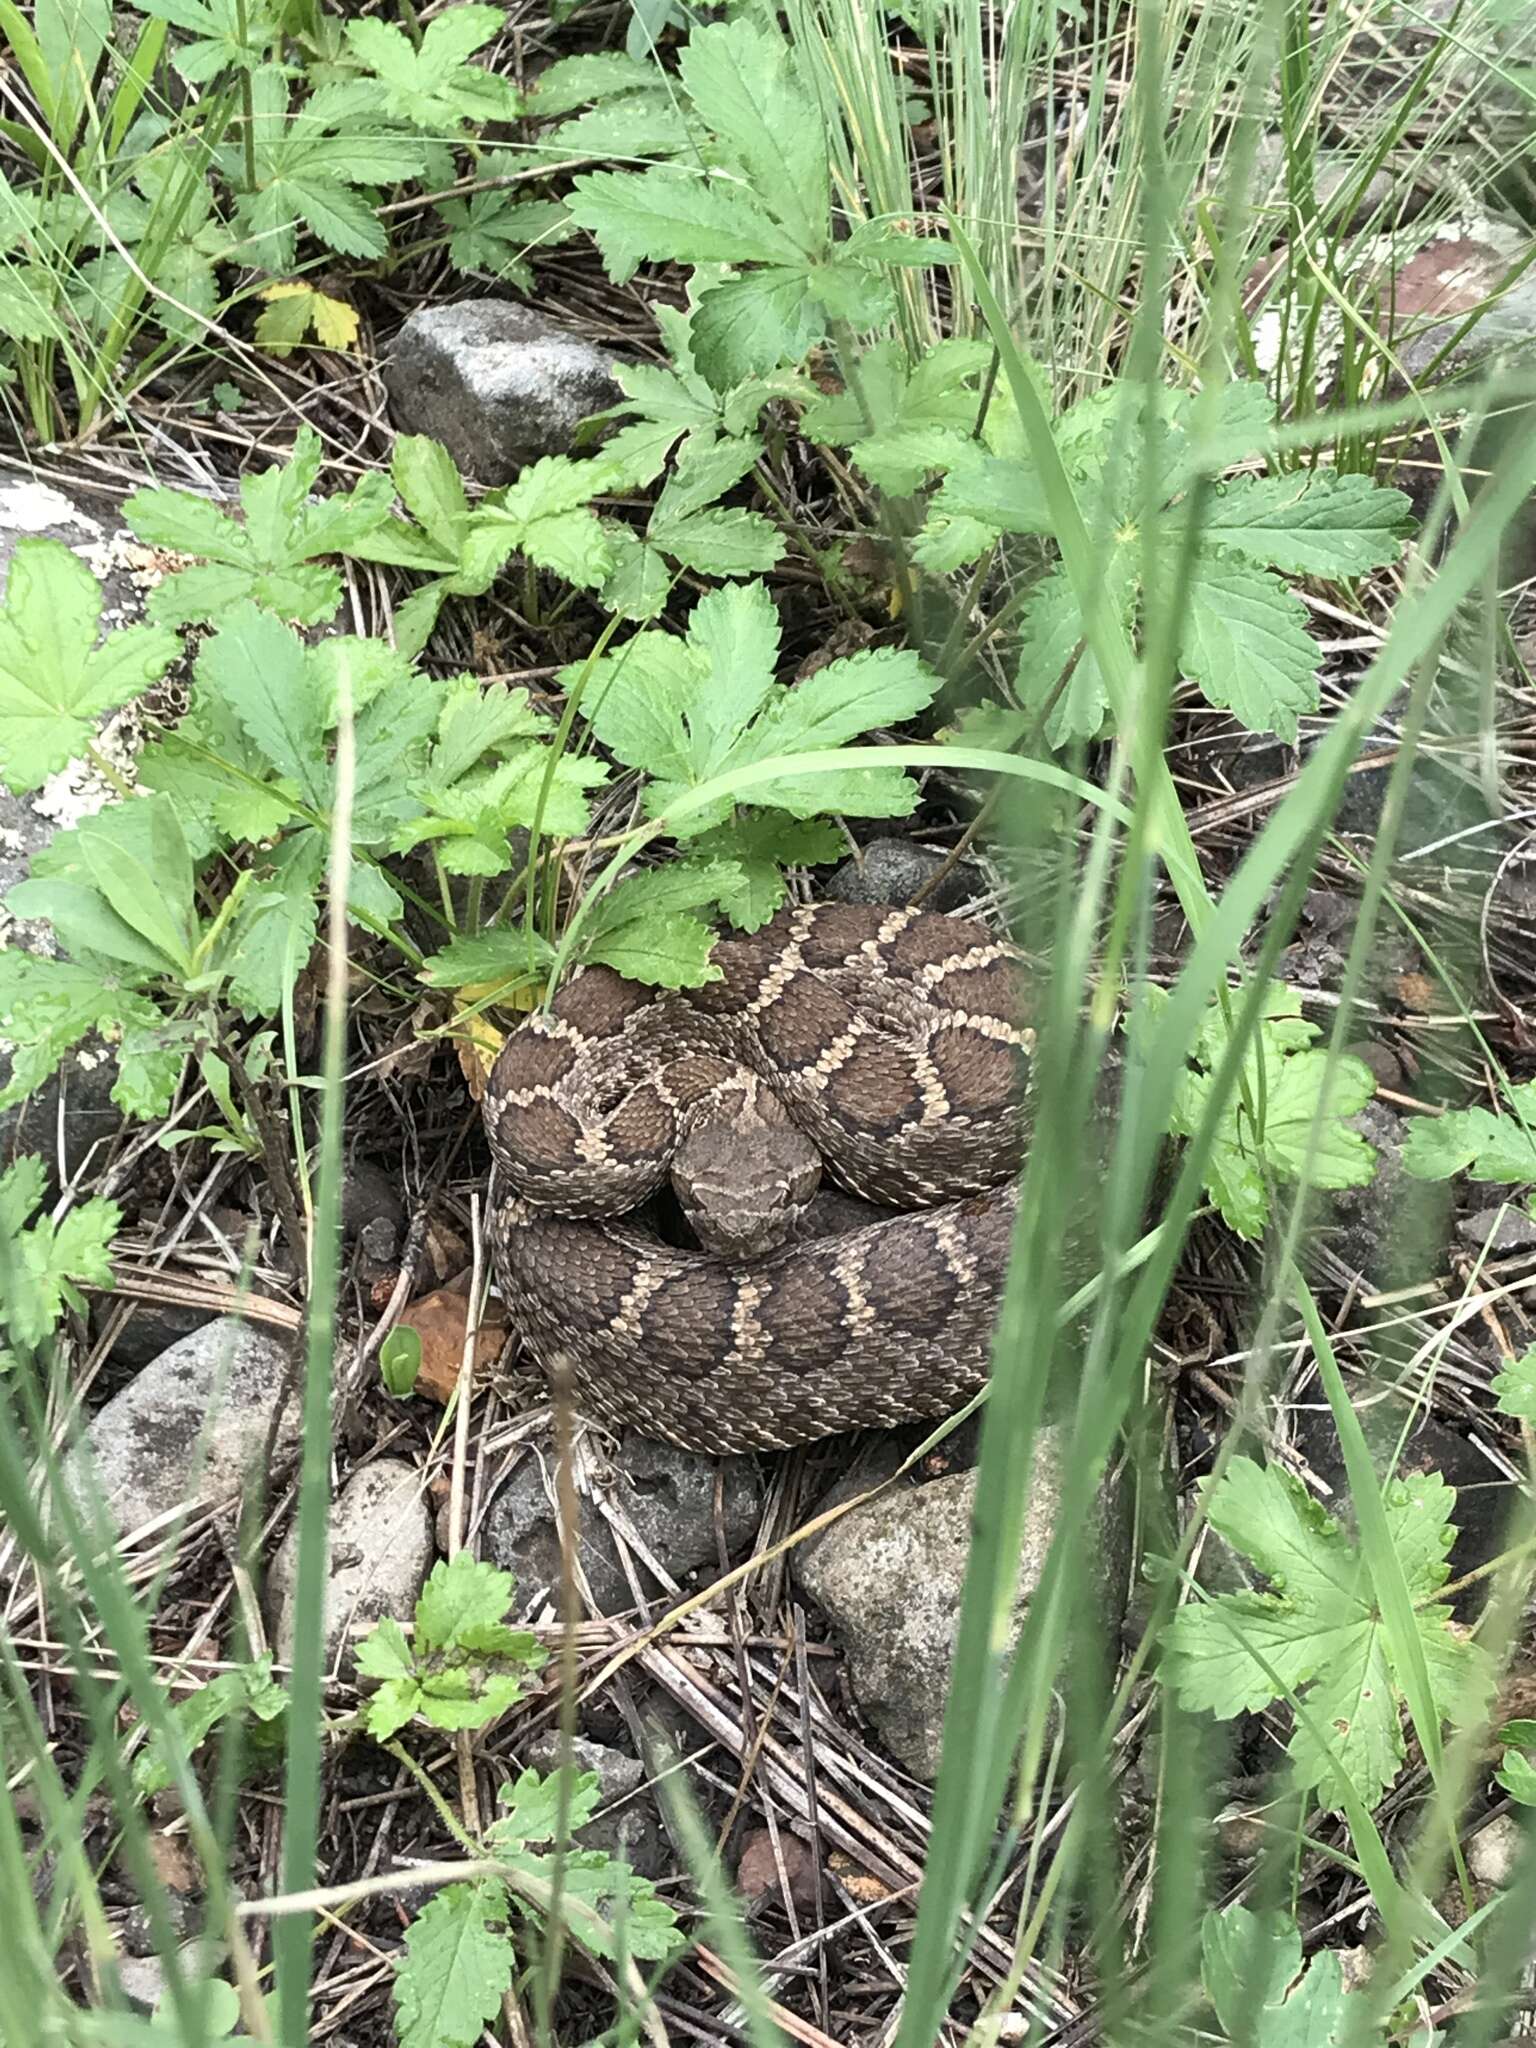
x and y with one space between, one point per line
295 310
477 1038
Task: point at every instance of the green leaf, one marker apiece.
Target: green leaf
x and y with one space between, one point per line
472 820
49 1006
1247 1958
705 470
665 950
465 1666
306 168
458 1965
461 1593
649 124
249 1690
680 398
493 233
643 928
432 86
257 668
664 216
876 687
859 293
986 490
85 923
54 681
1052 637
753 324
1489 1146
758 845
29 298
608 1909
136 855
1310 522
151 1055
1251 1965
616 1899
530 1809
270 559
1516 1775
384 1652
22 1187
687 712
273 934
639 699
719 541
546 516
744 86
573 81
1284 1080
431 489
921 415
400 1361
219 784
47 1256
641 582
1318 1632
476 721
735 633
1246 644
1515 1386
507 959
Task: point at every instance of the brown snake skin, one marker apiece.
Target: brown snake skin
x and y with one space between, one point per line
889 1043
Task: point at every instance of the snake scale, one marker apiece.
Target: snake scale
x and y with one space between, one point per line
886 1047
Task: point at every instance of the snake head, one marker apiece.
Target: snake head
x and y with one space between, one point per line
744 1191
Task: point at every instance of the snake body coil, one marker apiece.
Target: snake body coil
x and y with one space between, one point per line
884 1046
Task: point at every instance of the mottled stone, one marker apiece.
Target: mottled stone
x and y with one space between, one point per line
1507 1227
192 1428
625 1824
896 870
381 1549
666 1494
496 383
1477 266
889 1575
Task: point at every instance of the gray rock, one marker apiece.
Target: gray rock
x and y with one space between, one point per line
496 383
1494 1851
893 871
1400 190
1403 1441
370 1197
1502 1229
667 1494
381 1551
888 1576
135 1934
192 1427
152 1328
1387 1231
1462 271
632 1831
144 1979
